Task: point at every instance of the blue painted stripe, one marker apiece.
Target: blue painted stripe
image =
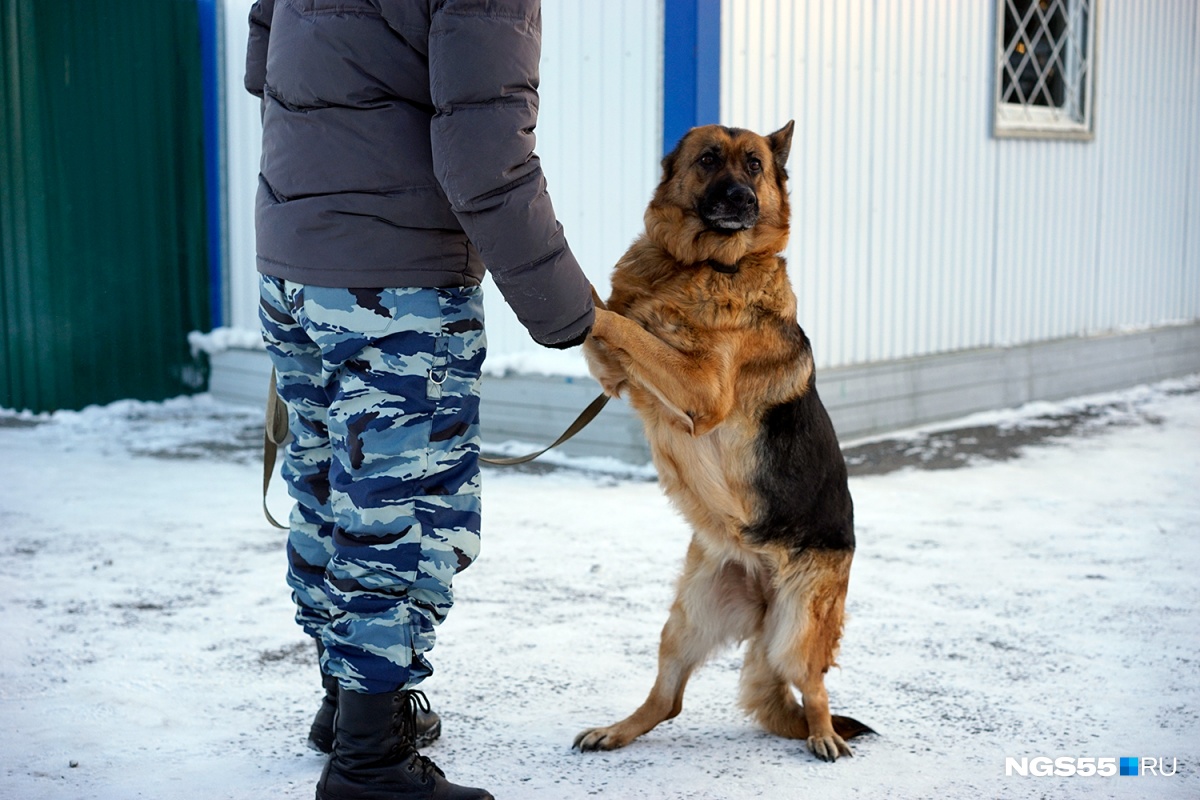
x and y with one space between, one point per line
210 86
691 67
708 62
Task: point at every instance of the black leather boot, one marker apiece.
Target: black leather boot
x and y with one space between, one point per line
374 757
320 735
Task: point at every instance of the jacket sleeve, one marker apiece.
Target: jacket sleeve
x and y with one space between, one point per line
483 76
256 47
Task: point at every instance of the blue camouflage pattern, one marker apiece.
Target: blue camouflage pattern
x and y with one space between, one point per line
382 390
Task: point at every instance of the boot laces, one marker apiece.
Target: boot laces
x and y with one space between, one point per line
408 702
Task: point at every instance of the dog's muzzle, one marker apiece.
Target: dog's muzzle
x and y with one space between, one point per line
730 207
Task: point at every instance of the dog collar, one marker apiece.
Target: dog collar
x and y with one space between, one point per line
726 269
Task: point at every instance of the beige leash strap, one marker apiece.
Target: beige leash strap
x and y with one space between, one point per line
585 416
277 430
274 435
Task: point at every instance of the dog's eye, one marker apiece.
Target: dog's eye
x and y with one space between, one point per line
754 164
708 160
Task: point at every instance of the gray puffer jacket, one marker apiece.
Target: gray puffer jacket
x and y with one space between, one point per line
398 151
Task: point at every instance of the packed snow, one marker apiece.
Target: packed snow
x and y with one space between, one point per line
1026 585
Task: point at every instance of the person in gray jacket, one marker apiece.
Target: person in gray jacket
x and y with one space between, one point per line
398 161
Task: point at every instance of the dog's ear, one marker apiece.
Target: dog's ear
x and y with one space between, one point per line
781 146
670 160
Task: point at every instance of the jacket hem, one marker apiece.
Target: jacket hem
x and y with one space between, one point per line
390 277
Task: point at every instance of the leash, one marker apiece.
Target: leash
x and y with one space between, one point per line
276 432
585 416
581 422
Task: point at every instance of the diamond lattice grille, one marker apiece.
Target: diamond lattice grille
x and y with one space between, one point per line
1045 64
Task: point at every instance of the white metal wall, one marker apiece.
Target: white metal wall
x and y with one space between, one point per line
1150 75
598 139
243 146
598 136
914 231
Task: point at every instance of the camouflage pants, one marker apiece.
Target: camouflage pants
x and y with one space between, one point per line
382 389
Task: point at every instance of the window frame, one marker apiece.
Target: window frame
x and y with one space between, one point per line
1031 121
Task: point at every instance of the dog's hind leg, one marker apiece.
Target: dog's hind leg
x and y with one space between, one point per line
715 603
800 640
769 699
767 696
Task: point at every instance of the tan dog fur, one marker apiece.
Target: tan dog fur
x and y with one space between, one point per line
702 354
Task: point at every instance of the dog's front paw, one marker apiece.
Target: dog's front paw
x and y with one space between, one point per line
600 739
828 747
605 365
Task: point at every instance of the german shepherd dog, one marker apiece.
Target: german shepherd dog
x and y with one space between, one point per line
700 332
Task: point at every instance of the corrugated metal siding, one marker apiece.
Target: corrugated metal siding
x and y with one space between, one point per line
914 231
1147 112
243 132
597 136
102 193
1046 227
1191 255
890 168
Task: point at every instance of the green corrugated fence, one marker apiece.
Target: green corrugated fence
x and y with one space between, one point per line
102 216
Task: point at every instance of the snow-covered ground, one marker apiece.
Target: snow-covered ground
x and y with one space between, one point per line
1046 604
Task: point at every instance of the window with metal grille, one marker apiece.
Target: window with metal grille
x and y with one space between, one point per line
1045 63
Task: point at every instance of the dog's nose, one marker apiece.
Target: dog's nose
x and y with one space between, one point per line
741 196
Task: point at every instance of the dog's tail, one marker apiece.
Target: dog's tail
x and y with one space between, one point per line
786 718
848 727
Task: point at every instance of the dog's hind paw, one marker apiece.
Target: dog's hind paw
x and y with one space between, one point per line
828 747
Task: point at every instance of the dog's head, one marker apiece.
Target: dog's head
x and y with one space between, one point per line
723 194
